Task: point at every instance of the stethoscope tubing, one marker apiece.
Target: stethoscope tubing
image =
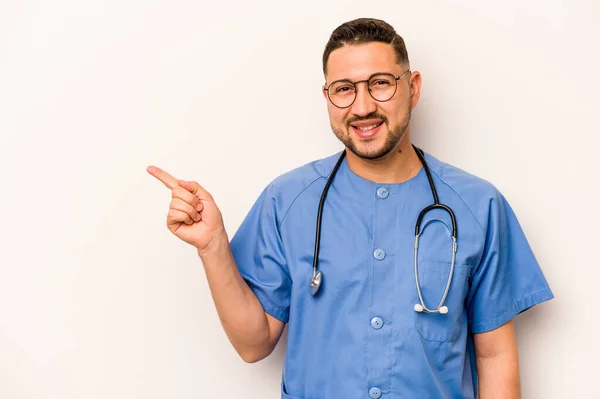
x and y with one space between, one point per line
317 275
421 307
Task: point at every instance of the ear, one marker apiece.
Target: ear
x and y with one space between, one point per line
324 92
415 88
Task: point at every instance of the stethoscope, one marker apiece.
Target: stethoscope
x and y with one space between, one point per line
317 276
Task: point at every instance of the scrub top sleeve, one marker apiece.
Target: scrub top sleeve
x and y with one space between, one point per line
258 252
508 279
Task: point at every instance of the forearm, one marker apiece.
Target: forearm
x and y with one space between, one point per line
499 376
240 312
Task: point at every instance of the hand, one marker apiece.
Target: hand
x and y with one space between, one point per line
193 215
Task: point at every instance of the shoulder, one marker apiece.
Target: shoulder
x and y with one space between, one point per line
479 195
458 179
286 188
299 178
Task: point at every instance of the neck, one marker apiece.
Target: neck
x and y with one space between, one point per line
400 165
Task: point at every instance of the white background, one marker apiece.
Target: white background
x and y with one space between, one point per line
99 300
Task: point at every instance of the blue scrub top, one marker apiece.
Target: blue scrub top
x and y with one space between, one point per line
360 336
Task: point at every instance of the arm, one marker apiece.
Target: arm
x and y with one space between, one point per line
497 363
252 332
195 218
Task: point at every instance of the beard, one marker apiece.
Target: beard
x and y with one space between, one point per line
395 136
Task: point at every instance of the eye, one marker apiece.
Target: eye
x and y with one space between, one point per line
343 89
380 83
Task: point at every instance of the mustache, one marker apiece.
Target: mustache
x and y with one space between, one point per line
373 115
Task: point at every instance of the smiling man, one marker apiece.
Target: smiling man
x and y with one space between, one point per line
398 275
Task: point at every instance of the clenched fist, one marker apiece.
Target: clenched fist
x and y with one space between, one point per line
193 215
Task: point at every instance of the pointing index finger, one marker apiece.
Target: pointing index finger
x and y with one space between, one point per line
163 176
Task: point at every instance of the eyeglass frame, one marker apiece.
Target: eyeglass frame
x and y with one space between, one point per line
326 88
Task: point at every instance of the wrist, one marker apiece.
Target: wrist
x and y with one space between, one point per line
217 245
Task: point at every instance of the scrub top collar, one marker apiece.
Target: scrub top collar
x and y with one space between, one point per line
358 188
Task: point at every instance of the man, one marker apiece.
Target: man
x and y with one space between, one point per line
382 314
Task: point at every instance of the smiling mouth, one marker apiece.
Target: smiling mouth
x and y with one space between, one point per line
366 130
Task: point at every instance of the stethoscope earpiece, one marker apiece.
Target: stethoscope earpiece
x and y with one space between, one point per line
420 308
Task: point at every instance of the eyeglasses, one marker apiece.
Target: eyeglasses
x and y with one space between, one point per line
381 86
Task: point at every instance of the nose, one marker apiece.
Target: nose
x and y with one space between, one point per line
364 104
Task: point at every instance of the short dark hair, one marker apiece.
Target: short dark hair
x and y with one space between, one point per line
365 30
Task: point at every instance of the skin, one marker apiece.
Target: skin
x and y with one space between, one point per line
497 362
194 217
386 157
369 158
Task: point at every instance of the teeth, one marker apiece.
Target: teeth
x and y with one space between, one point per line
364 129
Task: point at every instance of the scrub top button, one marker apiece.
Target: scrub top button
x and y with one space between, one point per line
383 193
375 393
377 322
379 254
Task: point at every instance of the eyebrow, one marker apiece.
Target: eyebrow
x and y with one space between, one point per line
370 76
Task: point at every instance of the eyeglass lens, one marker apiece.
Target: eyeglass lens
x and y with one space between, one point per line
382 87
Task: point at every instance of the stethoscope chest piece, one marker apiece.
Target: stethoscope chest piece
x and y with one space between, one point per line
315 282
